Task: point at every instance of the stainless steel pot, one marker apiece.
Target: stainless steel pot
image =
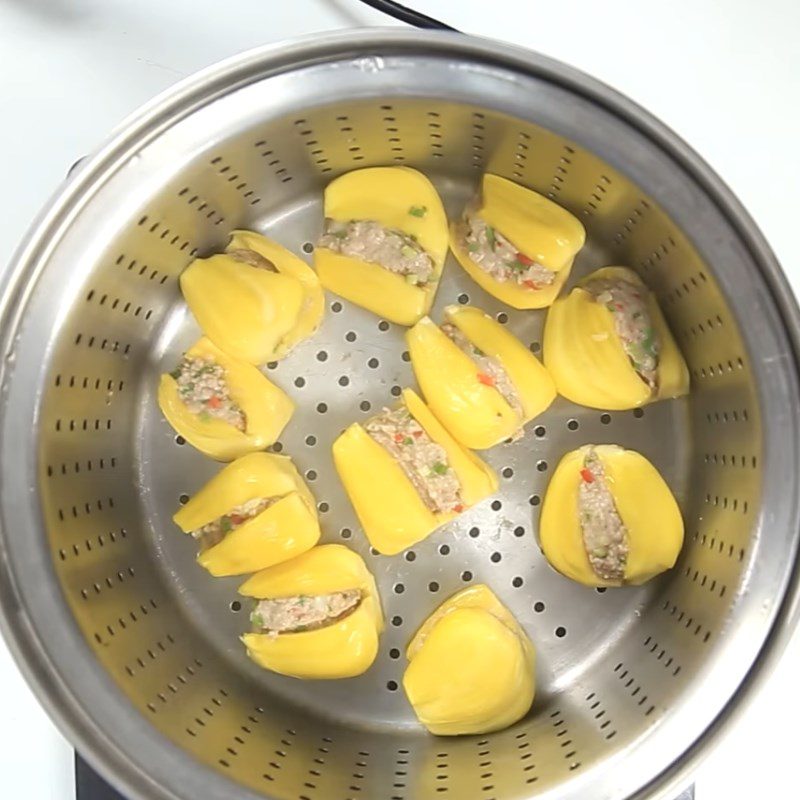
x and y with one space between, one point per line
133 649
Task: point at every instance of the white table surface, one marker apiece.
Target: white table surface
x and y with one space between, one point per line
725 74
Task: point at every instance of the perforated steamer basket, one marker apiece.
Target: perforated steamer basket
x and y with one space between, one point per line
133 648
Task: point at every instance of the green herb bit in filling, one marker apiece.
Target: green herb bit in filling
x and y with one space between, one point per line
257 620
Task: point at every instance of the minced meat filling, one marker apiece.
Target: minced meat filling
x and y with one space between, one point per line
203 388
215 531
423 461
303 612
497 256
627 303
252 258
490 370
604 534
389 248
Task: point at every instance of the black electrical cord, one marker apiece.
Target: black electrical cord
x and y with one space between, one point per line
408 15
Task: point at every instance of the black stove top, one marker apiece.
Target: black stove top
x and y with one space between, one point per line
90 786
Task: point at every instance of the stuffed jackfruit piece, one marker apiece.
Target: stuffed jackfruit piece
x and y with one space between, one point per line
516 244
479 380
256 300
256 512
607 344
609 519
471 666
406 475
384 241
317 616
222 406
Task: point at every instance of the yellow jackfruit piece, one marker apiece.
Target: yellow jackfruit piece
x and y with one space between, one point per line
344 648
465 398
586 357
471 666
266 408
388 196
390 509
542 230
256 300
645 506
285 529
